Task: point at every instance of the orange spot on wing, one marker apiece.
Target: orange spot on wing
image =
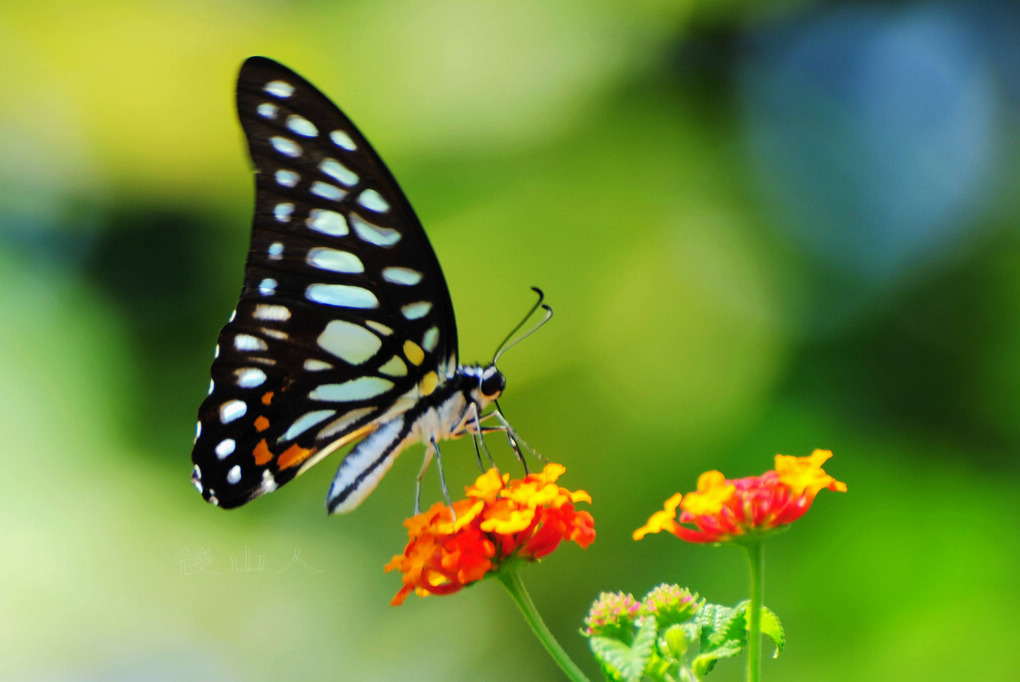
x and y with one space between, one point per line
318 454
293 456
262 454
355 435
261 424
267 398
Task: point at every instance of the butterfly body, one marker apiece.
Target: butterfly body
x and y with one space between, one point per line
451 411
344 331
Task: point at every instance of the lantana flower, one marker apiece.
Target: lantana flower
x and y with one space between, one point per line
743 509
671 605
612 614
499 522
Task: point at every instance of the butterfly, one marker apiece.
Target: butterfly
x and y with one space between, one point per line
344 331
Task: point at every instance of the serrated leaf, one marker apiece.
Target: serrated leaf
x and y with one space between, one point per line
611 655
720 625
770 626
658 669
704 662
622 662
773 629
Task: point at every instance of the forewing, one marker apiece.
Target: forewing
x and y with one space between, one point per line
344 317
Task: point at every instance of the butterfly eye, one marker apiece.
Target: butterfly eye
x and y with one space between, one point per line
493 384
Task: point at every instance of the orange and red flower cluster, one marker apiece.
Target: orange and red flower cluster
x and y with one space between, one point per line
500 520
728 510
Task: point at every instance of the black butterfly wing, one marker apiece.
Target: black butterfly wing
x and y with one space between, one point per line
344 318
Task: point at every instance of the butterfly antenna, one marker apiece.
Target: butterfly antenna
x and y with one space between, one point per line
506 344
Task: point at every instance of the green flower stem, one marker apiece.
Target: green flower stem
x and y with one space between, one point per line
511 579
756 563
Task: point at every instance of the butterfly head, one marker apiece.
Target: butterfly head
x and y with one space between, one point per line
491 383
488 381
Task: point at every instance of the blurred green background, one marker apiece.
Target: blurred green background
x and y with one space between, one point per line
764 227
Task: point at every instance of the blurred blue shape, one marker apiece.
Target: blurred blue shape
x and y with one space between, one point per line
59 242
875 129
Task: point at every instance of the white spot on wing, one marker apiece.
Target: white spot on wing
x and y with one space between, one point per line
267 287
405 276
274 313
282 212
350 342
302 126
374 201
305 422
344 422
198 429
313 365
231 410
430 339
250 377
339 172
327 222
267 110
286 146
416 311
374 234
394 367
379 327
287 178
225 448
274 333
234 475
327 191
341 295
343 140
276 251
247 342
281 89
334 260
361 388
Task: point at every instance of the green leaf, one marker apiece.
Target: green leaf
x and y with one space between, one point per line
611 655
770 626
721 625
723 635
773 629
704 662
675 642
658 670
622 662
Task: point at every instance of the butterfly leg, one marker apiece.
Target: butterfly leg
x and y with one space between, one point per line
476 434
473 424
511 438
515 441
421 474
431 449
